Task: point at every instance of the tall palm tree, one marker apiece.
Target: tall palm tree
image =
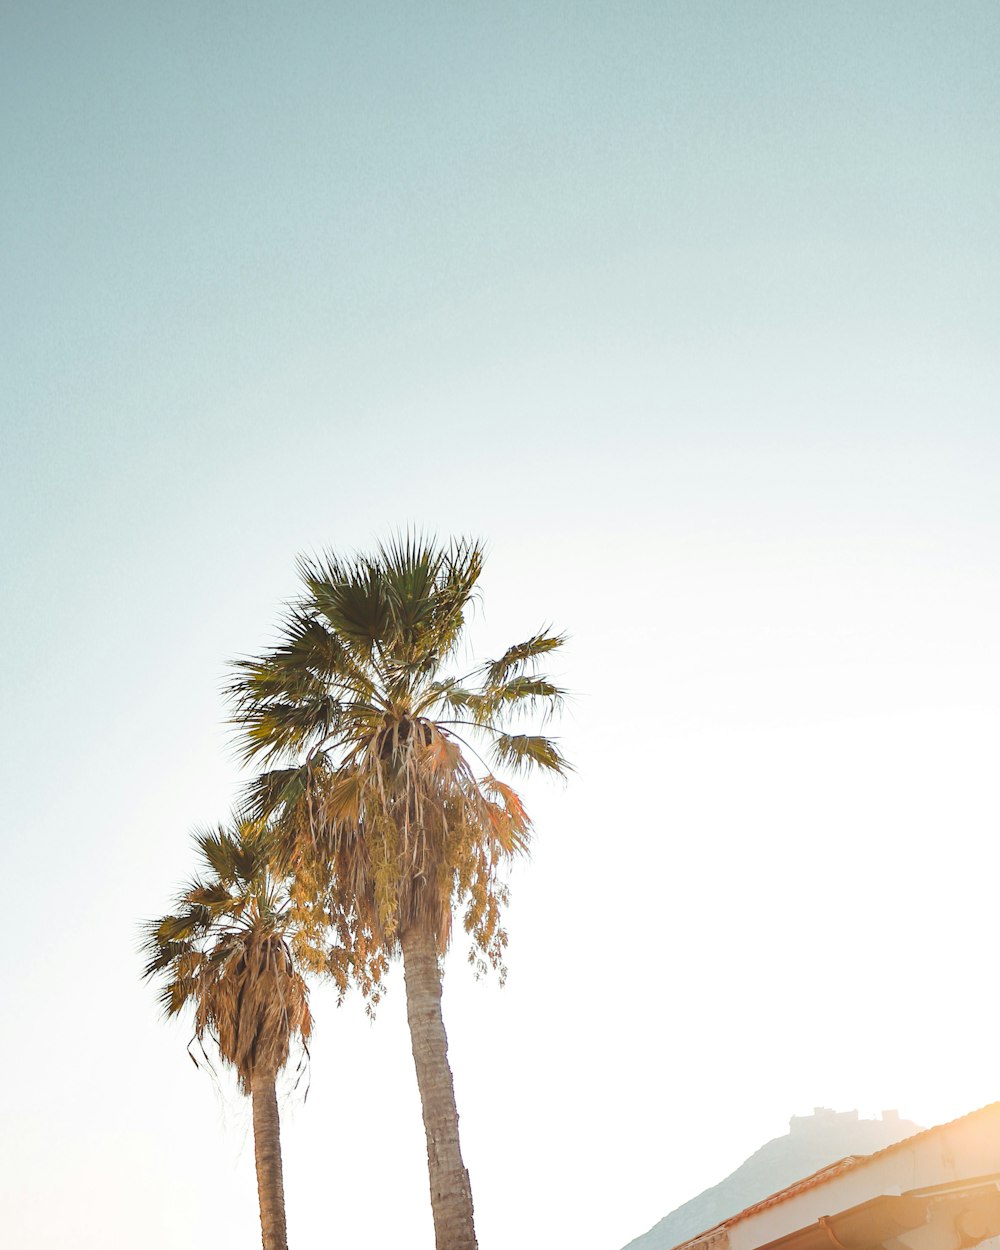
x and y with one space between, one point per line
227 954
383 759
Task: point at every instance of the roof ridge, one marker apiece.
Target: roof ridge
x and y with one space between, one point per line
935 1128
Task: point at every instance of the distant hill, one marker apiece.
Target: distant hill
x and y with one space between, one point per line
812 1142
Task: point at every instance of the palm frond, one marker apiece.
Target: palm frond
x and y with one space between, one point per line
350 597
516 694
515 658
180 927
211 895
408 568
463 568
447 695
161 955
278 790
521 752
217 849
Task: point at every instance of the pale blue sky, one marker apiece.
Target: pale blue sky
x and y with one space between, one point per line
690 311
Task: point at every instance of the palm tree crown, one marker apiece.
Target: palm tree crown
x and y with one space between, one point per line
226 952
385 746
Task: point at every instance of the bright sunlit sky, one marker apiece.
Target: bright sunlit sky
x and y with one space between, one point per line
689 310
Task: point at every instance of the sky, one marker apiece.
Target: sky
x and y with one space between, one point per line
689 311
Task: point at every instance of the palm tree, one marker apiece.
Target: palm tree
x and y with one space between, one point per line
227 953
376 749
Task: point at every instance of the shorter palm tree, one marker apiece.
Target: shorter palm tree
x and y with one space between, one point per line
228 953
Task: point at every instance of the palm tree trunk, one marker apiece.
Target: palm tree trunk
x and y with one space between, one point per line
451 1193
267 1153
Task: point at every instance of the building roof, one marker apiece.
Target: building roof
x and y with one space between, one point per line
832 1170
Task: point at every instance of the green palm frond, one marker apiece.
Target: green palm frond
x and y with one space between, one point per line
233 858
309 658
448 696
293 697
181 927
408 570
521 752
279 789
274 730
215 849
350 599
463 568
518 694
211 895
516 658
162 953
